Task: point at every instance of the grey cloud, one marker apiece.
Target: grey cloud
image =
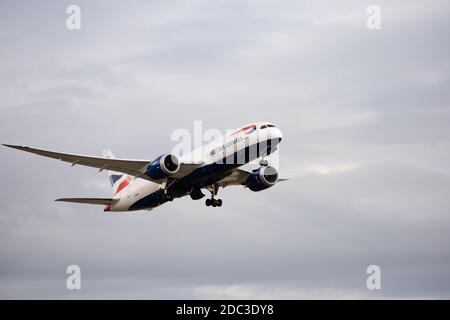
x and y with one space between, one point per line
364 115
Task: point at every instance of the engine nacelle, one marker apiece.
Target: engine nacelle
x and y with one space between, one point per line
262 178
163 166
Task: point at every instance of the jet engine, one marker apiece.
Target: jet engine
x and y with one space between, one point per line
262 178
163 166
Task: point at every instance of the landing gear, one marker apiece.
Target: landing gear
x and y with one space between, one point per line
263 162
213 202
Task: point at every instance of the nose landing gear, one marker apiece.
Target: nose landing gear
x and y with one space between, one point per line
213 202
263 162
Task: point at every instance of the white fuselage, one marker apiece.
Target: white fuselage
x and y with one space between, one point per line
223 147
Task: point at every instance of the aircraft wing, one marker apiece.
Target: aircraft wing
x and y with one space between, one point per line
132 167
239 177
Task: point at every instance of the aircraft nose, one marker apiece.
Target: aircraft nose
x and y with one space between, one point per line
277 134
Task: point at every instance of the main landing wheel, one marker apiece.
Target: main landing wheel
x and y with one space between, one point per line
213 202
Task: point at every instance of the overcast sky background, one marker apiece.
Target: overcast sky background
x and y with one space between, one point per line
365 116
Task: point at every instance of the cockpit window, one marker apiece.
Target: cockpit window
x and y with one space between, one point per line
263 127
270 126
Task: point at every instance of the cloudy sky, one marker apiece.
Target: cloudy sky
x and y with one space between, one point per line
365 116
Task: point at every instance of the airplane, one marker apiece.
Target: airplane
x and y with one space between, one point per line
147 184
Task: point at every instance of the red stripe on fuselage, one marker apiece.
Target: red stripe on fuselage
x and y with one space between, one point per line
243 129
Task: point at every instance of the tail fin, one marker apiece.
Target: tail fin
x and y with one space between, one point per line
118 180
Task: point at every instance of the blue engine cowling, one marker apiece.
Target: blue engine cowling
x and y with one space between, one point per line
163 166
262 178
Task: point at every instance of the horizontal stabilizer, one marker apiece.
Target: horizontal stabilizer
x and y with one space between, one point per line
101 201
